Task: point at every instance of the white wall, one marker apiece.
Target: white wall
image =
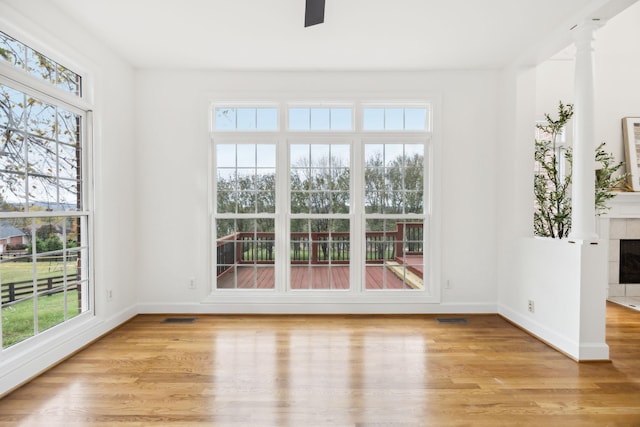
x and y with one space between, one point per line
115 188
569 316
173 149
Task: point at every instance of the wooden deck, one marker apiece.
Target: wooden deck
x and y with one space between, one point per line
315 277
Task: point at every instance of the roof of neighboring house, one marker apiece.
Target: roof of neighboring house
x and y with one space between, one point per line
7 230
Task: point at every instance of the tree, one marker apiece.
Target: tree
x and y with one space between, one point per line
39 142
396 187
552 182
552 215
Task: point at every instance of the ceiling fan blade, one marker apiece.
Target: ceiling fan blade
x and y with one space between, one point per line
314 13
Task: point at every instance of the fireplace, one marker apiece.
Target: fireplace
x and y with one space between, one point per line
624 250
629 261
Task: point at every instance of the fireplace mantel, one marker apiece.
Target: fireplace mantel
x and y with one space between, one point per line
624 205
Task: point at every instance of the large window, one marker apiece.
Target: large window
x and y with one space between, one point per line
44 217
245 204
394 212
323 197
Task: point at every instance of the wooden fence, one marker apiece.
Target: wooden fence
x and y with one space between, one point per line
17 291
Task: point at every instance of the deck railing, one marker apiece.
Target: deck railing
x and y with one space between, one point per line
319 247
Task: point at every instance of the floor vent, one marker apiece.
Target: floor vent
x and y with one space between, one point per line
451 320
179 320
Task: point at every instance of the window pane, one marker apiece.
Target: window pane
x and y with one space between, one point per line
246 119
68 161
415 118
394 254
246 201
18 322
394 119
341 119
41 118
246 155
13 51
299 119
225 118
69 195
225 155
320 119
38 65
51 288
373 119
245 254
53 179
267 119
266 155
68 127
393 155
245 188
320 155
12 115
319 254
398 187
68 80
299 155
323 187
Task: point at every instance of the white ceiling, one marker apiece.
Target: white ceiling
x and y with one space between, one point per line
356 35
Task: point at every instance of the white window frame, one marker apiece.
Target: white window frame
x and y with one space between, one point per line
355 299
81 104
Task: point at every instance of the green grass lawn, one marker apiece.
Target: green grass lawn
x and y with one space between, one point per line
18 319
19 271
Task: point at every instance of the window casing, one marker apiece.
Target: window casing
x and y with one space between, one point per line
45 273
333 236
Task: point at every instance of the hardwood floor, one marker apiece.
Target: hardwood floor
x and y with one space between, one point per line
334 371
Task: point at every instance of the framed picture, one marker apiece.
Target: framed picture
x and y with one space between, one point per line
631 135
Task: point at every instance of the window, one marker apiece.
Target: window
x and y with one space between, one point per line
38 65
44 271
320 118
378 118
394 196
322 205
320 229
246 119
245 207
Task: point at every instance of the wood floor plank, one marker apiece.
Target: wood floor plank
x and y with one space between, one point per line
232 370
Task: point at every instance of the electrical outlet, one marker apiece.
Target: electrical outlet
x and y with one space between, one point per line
531 306
191 283
109 294
448 285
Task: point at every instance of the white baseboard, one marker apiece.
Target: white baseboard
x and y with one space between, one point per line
315 308
581 352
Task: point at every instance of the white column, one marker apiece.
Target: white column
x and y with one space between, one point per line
583 219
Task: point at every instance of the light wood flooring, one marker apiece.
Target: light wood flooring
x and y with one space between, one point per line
334 371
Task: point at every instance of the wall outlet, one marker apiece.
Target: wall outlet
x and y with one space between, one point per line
191 283
109 294
531 306
448 284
